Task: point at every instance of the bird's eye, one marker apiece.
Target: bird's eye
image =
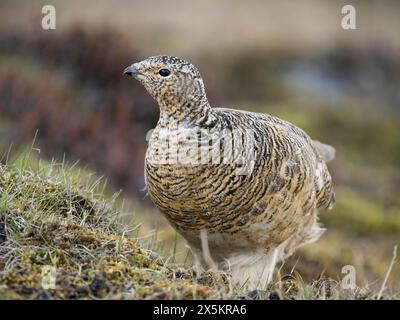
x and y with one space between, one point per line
164 72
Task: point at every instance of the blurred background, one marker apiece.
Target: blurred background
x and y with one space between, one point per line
290 59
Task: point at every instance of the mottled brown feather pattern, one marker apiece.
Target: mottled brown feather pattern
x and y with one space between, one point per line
252 220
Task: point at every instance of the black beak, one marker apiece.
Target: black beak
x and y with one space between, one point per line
131 71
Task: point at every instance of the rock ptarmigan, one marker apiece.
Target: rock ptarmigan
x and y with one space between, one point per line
242 188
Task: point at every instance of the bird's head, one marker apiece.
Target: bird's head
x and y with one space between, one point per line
173 82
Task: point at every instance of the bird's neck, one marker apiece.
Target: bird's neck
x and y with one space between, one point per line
189 114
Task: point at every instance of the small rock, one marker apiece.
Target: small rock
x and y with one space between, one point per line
274 296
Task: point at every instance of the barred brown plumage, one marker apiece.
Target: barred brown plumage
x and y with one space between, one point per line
249 181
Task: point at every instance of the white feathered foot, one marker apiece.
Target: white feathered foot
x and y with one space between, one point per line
255 270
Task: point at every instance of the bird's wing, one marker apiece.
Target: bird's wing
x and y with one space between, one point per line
284 136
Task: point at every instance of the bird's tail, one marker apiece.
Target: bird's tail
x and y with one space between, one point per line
326 151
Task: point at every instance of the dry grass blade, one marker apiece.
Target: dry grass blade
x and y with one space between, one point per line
383 287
